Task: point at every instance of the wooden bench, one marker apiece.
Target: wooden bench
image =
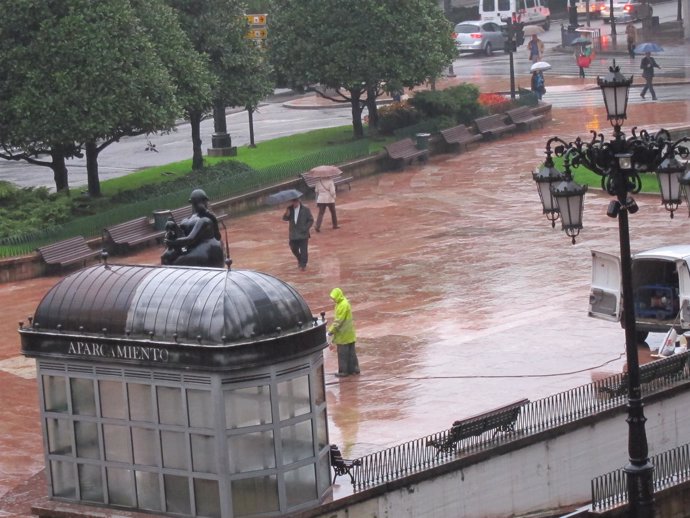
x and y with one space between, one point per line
493 126
459 136
339 180
130 233
342 466
664 368
524 118
405 152
66 252
499 420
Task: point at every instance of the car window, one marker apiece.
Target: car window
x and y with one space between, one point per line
466 28
530 3
489 27
488 5
504 5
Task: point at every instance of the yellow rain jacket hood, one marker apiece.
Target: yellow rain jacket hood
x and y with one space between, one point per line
343 326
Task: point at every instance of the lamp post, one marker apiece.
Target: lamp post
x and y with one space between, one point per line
619 162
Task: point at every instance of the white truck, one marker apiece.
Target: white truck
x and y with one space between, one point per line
530 12
661 288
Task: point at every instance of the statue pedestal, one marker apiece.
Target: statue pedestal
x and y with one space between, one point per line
221 145
222 151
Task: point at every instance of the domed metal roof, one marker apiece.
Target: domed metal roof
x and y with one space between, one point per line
176 304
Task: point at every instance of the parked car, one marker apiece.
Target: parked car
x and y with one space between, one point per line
622 11
529 12
479 37
595 7
661 289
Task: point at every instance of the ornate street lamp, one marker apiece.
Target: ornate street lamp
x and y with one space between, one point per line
619 162
546 176
669 173
685 189
570 198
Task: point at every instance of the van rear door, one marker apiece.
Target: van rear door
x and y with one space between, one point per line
684 293
605 292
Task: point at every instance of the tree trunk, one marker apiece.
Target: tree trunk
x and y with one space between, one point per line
197 155
59 170
92 168
357 128
372 108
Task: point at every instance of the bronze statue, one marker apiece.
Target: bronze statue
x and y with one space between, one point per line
196 240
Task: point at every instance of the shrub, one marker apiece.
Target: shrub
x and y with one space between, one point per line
397 115
459 103
31 208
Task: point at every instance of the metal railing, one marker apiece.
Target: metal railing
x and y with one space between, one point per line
671 467
536 416
235 184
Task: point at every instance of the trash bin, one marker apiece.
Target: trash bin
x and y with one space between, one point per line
160 218
423 140
568 35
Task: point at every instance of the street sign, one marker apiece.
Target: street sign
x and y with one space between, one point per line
256 19
257 29
257 34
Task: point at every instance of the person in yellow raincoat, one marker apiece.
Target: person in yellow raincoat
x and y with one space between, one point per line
343 332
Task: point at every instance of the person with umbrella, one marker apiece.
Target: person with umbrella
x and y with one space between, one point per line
535 48
631 37
300 219
537 84
325 193
648 65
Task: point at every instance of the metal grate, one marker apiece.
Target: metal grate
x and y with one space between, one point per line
167 376
536 416
671 467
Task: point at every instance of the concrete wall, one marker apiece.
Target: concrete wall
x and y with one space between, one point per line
549 470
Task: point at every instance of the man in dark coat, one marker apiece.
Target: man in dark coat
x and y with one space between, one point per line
300 219
648 65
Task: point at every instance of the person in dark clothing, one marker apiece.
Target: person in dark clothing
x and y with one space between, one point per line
300 219
648 65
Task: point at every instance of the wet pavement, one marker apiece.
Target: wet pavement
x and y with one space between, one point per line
464 297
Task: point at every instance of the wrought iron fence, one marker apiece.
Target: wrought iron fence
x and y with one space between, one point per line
233 185
671 467
536 416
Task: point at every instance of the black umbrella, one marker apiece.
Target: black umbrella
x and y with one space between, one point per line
283 196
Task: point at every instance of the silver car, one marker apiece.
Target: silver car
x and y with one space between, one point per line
479 37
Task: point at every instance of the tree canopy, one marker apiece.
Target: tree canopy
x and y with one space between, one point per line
76 71
359 46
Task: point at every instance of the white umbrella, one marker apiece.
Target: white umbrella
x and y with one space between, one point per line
325 171
540 66
530 30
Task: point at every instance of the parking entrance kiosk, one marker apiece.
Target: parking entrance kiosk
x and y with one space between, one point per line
185 391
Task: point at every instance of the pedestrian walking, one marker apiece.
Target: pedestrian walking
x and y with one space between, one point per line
343 332
537 84
648 64
631 38
535 48
300 219
325 198
583 58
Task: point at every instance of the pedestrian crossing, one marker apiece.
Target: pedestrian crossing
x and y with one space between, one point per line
564 98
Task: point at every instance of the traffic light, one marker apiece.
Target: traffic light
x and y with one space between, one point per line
519 29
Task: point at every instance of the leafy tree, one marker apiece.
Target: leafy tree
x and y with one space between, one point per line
359 48
217 28
188 72
74 72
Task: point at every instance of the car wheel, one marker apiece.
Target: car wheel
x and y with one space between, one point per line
488 50
547 24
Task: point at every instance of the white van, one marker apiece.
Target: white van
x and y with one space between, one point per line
661 287
530 12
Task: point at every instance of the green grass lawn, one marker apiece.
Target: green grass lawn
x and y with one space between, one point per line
265 154
584 176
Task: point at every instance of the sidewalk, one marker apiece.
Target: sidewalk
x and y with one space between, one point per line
463 295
